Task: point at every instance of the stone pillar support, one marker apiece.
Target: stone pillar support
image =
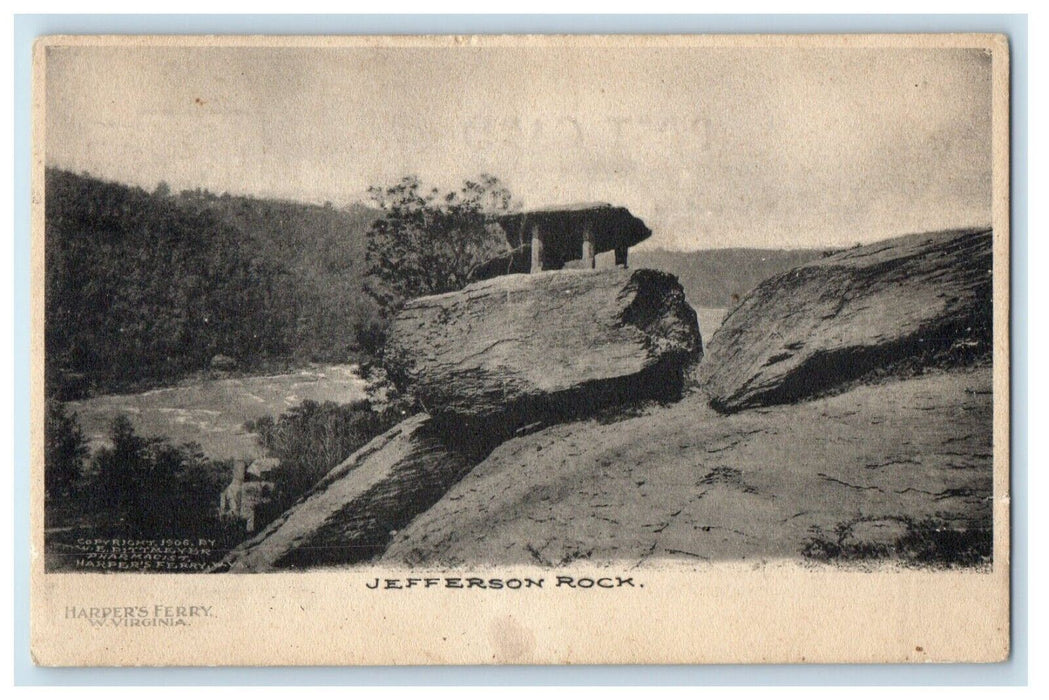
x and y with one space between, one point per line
537 250
589 261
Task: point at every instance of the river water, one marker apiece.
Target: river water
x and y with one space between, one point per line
212 412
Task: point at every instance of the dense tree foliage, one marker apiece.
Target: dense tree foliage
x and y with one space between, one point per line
428 242
65 450
312 437
143 488
147 287
146 487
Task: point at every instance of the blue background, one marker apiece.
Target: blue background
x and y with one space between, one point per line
1012 672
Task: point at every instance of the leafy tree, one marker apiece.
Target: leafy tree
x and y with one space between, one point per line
122 474
428 242
64 452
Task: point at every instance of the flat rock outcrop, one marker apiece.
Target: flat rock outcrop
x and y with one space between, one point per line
900 470
894 307
351 515
520 349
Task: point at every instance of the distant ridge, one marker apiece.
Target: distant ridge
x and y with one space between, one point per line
720 278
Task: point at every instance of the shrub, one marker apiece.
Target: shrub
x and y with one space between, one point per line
312 437
927 542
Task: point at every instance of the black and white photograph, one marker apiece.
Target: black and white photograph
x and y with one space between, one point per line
518 316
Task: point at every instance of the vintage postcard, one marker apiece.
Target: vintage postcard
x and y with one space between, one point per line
520 350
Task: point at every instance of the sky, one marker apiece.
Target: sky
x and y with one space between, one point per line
711 147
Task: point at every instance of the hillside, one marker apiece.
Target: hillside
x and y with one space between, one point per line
144 288
720 278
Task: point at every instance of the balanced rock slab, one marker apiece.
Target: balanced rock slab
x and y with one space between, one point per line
517 349
893 307
351 515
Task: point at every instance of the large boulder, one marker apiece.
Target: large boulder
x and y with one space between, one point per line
501 354
521 349
898 306
351 515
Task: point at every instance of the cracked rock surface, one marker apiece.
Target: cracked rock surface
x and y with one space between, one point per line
518 349
890 308
684 482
